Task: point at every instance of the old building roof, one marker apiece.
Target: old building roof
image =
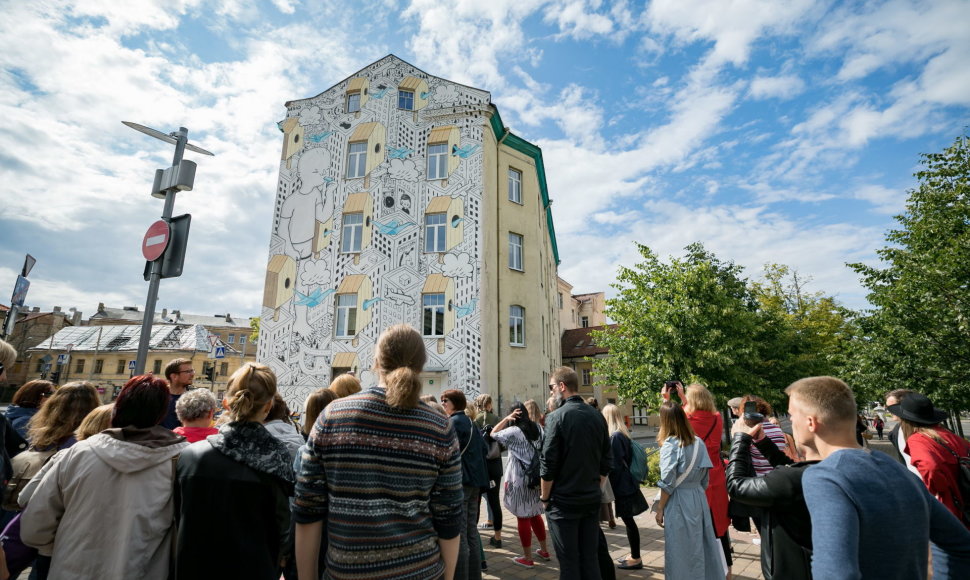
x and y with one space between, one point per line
171 316
578 342
126 337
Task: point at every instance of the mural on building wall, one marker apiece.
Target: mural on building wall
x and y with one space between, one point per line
353 249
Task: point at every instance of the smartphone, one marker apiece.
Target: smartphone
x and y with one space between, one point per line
671 385
751 413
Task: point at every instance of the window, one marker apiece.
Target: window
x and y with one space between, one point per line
353 231
231 339
560 301
98 366
242 339
584 321
434 232
224 369
346 315
516 325
586 376
40 366
515 185
79 365
515 252
357 160
353 102
434 314
121 367
438 161
157 367
405 100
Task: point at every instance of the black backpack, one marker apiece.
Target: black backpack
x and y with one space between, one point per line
532 469
963 483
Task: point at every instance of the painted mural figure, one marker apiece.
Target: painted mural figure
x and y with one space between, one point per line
308 205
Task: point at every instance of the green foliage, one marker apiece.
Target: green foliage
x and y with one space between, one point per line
918 333
697 319
254 325
653 468
693 319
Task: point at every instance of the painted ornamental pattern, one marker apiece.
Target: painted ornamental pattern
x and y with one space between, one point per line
377 222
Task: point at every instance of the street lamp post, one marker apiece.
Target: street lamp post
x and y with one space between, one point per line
179 177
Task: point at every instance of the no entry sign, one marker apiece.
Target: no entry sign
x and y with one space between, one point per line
156 240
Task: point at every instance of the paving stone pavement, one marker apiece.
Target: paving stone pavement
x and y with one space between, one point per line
747 563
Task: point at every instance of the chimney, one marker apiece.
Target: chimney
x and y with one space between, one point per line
164 314
36 309
177 314
228 318
100 307
57 309
76 319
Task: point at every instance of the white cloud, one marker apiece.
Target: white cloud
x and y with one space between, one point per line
782 87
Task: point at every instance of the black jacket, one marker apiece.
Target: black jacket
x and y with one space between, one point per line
11 443
575 453
894 439
473 450
233 519
786 531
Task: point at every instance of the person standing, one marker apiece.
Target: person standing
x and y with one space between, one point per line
474 478
381 448
521 437
179 374
245 475
884 517
708 424
575 460
934 450
626 491
691 551
120 478
896 437
26 402
486 421
879 425
195 411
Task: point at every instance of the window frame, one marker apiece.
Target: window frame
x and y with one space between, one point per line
350 100
345 318
98 366
356 160
122 367
435 313
516 257
79 366
516 325
587 377
438 159
351 233
405 96
584 321
515 178
436 233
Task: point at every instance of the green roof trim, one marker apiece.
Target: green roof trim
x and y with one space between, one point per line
533 151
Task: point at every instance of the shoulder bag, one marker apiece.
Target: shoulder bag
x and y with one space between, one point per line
683 476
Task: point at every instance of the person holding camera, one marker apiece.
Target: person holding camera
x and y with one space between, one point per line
755 410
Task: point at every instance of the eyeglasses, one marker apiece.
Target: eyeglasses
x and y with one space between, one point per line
553 386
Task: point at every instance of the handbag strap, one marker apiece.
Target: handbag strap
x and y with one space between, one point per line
690 467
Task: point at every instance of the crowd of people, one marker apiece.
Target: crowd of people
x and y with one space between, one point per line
382 482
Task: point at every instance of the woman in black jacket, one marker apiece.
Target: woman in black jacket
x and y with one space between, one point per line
232 490
786 532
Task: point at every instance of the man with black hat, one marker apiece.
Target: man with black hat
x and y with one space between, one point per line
870 518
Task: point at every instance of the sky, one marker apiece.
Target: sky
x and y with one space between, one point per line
772 132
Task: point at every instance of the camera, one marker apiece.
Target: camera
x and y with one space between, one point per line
671 386
751 414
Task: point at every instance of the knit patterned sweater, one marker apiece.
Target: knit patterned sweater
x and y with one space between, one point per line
387 484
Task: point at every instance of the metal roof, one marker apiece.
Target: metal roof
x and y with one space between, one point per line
136 316
126 337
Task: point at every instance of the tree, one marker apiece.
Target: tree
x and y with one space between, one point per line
693 320
803 333
254 325
917 335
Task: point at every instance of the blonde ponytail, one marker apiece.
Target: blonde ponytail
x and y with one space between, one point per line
250 388
398 359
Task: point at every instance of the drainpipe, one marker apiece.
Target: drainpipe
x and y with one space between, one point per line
498 261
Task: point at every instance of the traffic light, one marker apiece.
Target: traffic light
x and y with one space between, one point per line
210 374
55 377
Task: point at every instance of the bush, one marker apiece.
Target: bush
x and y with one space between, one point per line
653 467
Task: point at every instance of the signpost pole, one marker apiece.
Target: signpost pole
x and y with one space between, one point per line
156 272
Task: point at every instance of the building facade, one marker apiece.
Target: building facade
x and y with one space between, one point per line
403 198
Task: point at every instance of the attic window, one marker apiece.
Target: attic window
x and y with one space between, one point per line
580 343
118 342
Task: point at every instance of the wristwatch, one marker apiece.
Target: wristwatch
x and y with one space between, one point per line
544 500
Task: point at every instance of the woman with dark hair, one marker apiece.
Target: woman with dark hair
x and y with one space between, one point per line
384 471
133 460
933 449
691 551
26 402
279 425
245 475
761 464
474 478
521 437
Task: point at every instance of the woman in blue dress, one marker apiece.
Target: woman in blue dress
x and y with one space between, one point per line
691 552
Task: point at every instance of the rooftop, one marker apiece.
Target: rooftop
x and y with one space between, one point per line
578 342
126 337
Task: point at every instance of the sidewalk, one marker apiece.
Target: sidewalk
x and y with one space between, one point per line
747 563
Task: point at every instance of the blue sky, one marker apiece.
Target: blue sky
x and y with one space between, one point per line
783 132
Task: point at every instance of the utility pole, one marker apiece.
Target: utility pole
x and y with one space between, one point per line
164 251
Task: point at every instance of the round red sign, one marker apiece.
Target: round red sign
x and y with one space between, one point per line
156 240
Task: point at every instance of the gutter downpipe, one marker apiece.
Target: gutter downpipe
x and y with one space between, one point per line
498 261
